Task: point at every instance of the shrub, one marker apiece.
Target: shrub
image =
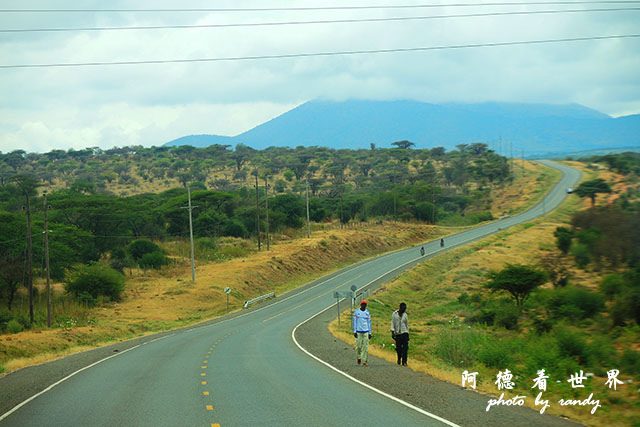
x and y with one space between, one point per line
457 347
5 318
571 344
575 303
96 280
13 327
611 285
630 362
153 260
563 239
581 254
138 248
542 326
506 316
496 354
234 228
542 353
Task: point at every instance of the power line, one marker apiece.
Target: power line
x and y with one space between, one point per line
284 9
331 21
316 54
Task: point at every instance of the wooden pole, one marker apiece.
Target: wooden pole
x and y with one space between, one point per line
46 260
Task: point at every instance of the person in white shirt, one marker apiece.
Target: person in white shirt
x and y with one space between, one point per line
362 331
400 332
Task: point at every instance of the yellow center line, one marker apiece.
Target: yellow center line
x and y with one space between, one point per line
311 300
204 383
209 407
206 393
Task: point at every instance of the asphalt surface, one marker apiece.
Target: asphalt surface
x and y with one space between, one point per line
247 369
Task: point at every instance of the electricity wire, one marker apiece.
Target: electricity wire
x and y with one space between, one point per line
285 9
317 22
318 54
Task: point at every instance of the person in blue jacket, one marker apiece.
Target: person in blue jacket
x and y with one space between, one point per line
362 332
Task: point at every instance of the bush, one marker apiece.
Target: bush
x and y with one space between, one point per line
138 248
575 303
94 281
581 254
506 316
572 344
611 285
457 347
5 318
563 239
630 362
496 354
234 228
13 327
153 260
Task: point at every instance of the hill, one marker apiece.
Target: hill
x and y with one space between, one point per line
534 128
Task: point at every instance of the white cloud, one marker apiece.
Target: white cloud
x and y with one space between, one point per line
151 104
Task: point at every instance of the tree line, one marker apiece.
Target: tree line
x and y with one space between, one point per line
88 223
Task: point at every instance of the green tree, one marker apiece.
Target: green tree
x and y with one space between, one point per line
518 280
592 188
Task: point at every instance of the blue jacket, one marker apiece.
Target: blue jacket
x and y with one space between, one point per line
361 321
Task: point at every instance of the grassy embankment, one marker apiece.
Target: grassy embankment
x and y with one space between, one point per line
445 292
166 299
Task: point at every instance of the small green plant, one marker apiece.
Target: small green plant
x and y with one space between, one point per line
13 327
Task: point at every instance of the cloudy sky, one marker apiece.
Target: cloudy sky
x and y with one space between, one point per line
149 104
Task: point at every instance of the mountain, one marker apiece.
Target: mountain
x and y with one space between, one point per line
534 128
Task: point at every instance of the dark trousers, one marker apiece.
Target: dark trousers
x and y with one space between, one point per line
402 347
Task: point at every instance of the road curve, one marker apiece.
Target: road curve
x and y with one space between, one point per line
236 371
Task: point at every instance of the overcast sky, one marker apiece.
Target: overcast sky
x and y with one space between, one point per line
105 106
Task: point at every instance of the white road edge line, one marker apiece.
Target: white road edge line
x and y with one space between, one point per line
20 405
387 395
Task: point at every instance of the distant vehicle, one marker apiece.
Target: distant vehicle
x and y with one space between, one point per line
569 190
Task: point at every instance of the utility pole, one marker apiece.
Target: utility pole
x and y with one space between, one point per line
29 259
193 261
513 170
257 211
308 226
46 259
266 201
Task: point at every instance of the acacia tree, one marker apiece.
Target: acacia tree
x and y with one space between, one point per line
591 188
404 144
518 280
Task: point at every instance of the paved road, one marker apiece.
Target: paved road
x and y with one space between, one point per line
245 370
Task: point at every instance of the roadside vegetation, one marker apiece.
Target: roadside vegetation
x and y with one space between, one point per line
569 302
120 265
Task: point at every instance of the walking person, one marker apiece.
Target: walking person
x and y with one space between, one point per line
400 332
362 332
422 251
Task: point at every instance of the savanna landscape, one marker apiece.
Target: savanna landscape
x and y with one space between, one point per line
121 268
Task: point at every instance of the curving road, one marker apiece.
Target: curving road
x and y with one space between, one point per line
239 371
